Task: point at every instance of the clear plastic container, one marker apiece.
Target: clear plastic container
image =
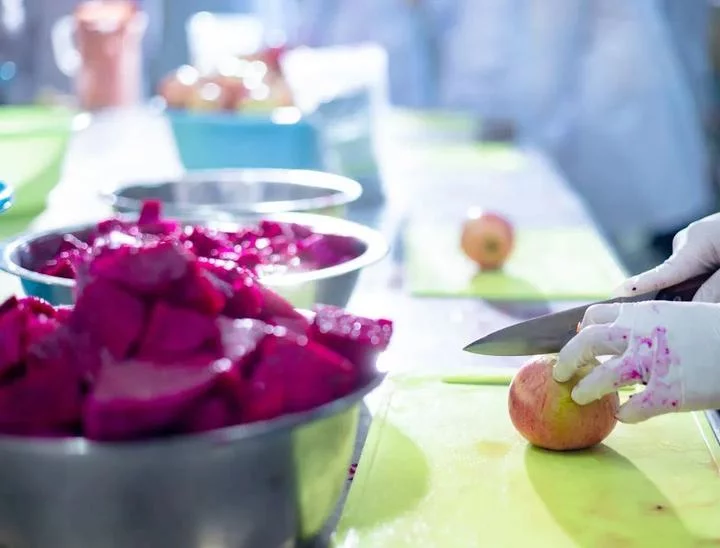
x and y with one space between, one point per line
100 47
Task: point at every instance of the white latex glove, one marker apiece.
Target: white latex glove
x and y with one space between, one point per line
672 347
696 250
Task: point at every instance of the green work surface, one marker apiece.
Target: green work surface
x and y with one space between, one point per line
11 225
443 467
545 264
33 143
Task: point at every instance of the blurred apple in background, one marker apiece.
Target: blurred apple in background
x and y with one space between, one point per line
253 83
487 239
178 86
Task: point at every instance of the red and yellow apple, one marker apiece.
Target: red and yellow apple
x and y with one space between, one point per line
178 86
543 412
487 239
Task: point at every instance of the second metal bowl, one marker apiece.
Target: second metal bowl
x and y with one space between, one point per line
229 194
333 285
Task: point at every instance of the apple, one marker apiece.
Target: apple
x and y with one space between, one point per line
232 88
543 412
207 96
487 239
178 87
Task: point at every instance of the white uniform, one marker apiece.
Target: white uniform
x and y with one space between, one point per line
611 90
614 92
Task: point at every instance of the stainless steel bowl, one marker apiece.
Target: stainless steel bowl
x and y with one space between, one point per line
262 485
228 194
333 285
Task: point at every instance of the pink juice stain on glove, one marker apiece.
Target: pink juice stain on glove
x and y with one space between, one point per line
649 360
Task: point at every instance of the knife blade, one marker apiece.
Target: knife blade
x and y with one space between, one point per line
547 334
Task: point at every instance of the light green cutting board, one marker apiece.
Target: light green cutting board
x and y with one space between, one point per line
546 264
443 467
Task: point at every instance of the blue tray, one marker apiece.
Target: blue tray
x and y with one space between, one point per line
226 140
6 195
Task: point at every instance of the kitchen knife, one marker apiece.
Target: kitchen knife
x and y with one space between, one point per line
549 333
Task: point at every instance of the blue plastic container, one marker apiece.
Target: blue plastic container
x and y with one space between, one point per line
6 195
226 140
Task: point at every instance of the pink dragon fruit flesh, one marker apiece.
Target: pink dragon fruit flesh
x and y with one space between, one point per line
163 342
295 374
268 244
133 400
360 340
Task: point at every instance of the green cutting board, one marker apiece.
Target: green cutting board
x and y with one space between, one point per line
443 467
545 264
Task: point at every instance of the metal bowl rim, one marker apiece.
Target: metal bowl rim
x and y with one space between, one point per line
80 446
377 248
346 190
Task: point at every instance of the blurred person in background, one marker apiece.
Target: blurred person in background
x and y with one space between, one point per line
411 32
616 93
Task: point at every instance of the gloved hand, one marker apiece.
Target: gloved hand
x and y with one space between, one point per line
672 347
696 250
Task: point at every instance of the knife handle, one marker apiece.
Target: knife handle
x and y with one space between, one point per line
684 291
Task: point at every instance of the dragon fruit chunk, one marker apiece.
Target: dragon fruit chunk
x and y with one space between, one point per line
326 250
61 267
150 212
134 400
276 306
358 339
212 412
241 339
301 231
294 374
245 294
12 334
201 291
173 333
114 318
68 350
22 322
44 401
10 303
151 269
38 306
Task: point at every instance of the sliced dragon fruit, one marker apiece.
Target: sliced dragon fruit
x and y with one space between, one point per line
133 400
213 411
358 339
73 351
112 316
22 323
12 331
241 339
173 333
44 401
325 250
201 291
295 374
151 269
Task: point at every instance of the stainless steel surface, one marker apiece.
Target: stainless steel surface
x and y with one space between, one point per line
232 193
260 485
333 285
